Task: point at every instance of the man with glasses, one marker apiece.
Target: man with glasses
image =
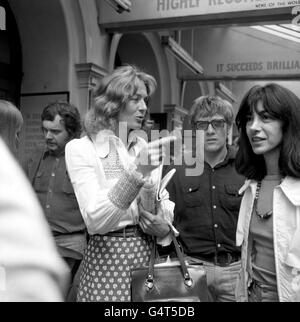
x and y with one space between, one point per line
207 205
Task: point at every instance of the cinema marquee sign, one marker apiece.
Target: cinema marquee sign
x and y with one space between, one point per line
155 14
217 6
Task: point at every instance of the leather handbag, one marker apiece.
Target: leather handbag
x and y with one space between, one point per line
172 281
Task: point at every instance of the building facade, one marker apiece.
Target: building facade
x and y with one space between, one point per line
60 49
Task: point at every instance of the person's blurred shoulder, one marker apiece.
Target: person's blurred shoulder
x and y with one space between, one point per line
27 253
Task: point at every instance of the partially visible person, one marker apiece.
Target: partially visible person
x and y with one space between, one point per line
30 267
47 172
207 204
11 122
108 180
269 223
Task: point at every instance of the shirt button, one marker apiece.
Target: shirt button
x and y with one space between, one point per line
216 226
219 245
48 206
190 190
215 207
50 191
53 174
213 187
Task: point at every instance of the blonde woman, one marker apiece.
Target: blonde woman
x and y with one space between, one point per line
107 181
11 122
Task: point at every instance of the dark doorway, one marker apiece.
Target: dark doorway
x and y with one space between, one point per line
10 58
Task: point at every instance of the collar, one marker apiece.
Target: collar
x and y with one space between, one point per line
133 139
248 184
102 141
105 138
230 157
47 154
290 187
231 153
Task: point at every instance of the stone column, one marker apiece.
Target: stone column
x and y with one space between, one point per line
176 116
88 75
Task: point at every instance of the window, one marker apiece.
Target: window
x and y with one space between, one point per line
285 31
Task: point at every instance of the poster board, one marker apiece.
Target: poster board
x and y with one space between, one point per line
31 107
241 53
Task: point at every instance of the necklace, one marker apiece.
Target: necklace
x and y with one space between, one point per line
261 216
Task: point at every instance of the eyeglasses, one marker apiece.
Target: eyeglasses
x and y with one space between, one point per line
216 124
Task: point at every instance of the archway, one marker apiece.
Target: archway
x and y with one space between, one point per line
141 54
45 63
146 53
45 48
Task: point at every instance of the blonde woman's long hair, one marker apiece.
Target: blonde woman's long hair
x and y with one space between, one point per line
11 122
112 94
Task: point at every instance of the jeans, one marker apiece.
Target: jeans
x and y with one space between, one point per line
74 265
258 292
221 280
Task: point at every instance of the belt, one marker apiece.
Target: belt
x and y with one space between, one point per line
126 232
221 258
80 232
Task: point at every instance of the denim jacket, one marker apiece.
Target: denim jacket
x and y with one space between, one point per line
286 232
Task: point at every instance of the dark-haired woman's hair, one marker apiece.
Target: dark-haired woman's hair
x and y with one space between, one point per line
112 94
68 112
283 105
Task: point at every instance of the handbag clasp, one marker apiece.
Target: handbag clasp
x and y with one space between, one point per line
188 282
149 282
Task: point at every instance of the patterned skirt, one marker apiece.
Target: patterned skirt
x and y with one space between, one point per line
107 264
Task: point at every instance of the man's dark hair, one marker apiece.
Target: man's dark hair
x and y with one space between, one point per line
68 112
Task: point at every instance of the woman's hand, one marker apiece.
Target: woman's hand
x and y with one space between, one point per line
154 225
151 156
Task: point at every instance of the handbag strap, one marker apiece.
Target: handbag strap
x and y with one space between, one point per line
150 278
187 278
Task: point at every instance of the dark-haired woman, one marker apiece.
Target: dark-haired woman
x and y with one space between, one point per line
269 219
